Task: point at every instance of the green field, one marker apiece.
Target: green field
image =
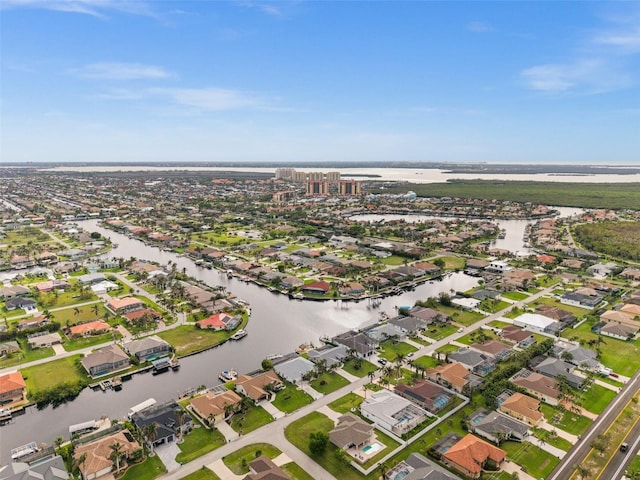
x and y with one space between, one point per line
516 296
151 468
203 474
453 263
47 375
254 417
598 195
462 317
597 398
425 361
68 316
439 331
291 398
617 239
346 403
187 339
392 349
535 461
238 461
199 442
569 422
329 382
84 342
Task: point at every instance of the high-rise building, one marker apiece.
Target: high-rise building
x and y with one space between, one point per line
317 187
298 177
285 173
350 188
315 176
333 177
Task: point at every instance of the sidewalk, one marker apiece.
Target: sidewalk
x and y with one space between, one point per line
269 407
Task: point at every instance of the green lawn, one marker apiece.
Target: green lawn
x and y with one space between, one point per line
393 260
498 324
151 468
567 421
84 342
493 306
516 296
296 472
238 461
187 339
291 398
597 398
198 442
440 331
346 403
393 349
254 417
556 441
202 474
66 299
453 263
448 348
478 336
329 382
25 355
462 317
47 375
364 370
85 313
533 460
425 361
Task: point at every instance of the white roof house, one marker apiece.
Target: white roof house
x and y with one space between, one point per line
293 370
392 412
533 321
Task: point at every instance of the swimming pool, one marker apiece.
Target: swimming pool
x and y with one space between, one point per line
374 447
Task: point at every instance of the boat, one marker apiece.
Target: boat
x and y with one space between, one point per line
208 265
149 402
199 262
238 335
105 385
229 273
274 356
298 296
174 363
116 383
228 376
24 450
160 365
5 415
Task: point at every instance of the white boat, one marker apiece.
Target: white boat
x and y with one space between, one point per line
229 273
24 450
5 414
238 335
228 376
274 356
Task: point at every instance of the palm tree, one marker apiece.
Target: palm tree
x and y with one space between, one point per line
95 309
180 418
76 312
150 433
116 455
372 376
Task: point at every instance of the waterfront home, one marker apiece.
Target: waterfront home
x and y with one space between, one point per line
619 331
13 390
535 322
332 355
295 369
351 432
147 348
537 385
103 287
360 344
497 427
517 278
171 421
120 306
351 288
220 321
579 300
470 455
316 287
498 266
523 408
385 331
429 315
408 324
105 360
496 350
44 340
91 278
213 406
263 468
96 327
50 467
257 388
429 396
146 313
392 412
631 273
98 454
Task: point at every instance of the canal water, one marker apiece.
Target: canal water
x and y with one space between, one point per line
277 325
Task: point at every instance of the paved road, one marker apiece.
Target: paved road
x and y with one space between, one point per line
621 460
577 454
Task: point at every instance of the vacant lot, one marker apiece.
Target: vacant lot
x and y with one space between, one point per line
47 375
187 339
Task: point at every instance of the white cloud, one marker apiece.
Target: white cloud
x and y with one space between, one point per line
95 8
120 71
210 98
584 77
269 9
626 41
479 27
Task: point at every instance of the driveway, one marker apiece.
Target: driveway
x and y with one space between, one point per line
167 453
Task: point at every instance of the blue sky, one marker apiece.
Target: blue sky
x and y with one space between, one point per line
112 80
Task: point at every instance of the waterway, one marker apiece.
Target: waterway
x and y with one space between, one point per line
277 325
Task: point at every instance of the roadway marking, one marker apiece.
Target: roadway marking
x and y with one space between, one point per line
632 451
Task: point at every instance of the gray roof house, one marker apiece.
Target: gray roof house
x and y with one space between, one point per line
576 355
105 360
333 355
51 468
91 278
170 423
361 344
409 323
488 424
351 431
147 348
418 467
383 332
554 368
293 370
479 363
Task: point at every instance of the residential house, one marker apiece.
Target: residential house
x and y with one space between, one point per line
537 385
220 321
427 395
51 285
49 468
494 349
535 322
498 266
579 300
418 467
147 314
170 418
362 345
147 348
497 427
602 270
351 288
36 321
8 348
14 291
385 331
105 360
392 412
556 368
478 362
455 376
92 278
258 387
317 287
470 456
428 268
615 316
429 315
619 331
332 355
44 339
631 309
98 454
631 273
291 282
20 302
517 336
576 355
263 468
13 390
96 327
120 306
295 369
351 432
517 278
212 406
409 324
523 408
